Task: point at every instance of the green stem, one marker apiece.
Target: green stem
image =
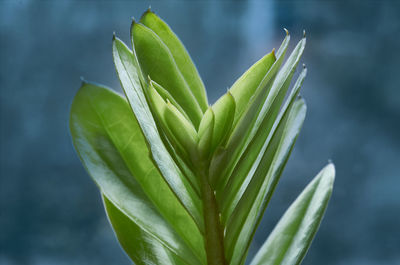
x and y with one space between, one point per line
214 242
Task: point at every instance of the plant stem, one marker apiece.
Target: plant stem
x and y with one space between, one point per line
214 242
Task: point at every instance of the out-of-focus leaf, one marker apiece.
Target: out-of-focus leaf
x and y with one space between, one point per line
128 73
180 55
250 159
113 149
142 247
289 241
246 216
156 61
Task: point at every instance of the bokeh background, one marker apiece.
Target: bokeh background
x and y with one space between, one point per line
51 212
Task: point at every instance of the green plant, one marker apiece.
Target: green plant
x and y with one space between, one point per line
186 183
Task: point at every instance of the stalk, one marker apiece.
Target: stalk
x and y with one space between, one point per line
214 241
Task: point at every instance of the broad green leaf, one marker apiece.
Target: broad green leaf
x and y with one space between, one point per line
205 133
250 160
250 121
245 87
246 216
113 149
156 61
142 247
129 76
180 55
289 241
224 110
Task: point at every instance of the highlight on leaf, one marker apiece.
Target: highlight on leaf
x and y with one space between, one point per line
185 182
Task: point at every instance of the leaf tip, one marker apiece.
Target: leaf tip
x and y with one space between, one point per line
113 37
304 33
287 32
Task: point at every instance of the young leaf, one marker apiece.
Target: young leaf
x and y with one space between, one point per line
250 160
156 61
250 121
181 56
289 241
246 216
167 96
224 110
113 149
181 129
128 73
205 133
245 87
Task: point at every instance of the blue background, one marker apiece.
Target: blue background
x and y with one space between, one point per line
51 211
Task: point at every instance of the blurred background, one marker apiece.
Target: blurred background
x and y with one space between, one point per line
51 212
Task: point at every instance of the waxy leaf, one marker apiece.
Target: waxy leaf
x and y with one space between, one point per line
181 56
113 149
246 216
167 96
156 61
250 160
128 73
206 130
224 110
245 87
141 246
249 122
289 241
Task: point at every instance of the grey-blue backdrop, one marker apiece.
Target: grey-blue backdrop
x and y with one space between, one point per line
51 212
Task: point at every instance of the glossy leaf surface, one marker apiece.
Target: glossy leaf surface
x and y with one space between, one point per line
130 81
187 183
180 55
111 146
292 236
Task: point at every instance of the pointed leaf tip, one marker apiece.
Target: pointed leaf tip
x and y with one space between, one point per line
287 32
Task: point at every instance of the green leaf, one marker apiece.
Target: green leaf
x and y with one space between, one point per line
205 133
224 110
182 130
225 158
142 247
250 159
245 87
167 96
289 241
129 76
156 61
244 220
180 55
114 151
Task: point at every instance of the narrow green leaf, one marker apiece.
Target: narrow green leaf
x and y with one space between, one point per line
246 216
167 96
250 159
289 241
245 87
181 56
113 149
142 247
156 61
205 133
225 159
224 110
129 76
181 129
